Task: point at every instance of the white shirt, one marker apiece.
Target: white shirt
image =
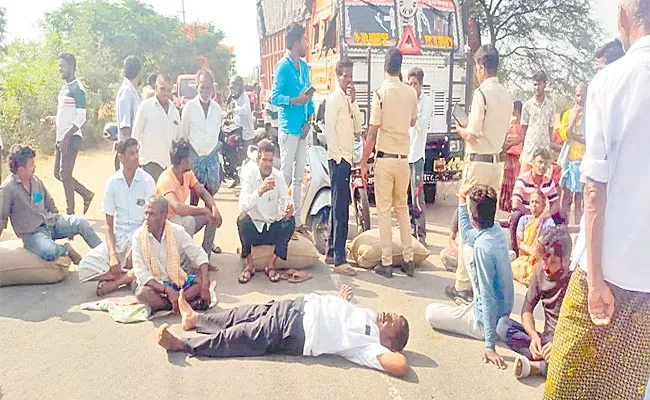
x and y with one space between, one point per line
342 121
418 133
334 326
155 130
617 139
126 203
184 243
126 103
268 208
244 116
202 131
71 109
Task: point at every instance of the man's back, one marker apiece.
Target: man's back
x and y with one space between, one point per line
617 138
398 106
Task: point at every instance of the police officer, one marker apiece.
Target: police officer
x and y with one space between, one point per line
394 110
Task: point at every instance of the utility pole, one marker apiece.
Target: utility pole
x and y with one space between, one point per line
183 9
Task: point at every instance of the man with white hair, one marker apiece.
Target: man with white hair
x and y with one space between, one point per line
602 348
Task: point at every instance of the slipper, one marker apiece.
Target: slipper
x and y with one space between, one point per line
216 250
522 367
244 278
287 274
300 276
345 270
273 278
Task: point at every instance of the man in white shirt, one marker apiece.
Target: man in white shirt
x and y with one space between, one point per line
266 212
162 252
418 135
125 196
602 348
307 326
157 124
201 126
127 100
342 122
242 110
70 117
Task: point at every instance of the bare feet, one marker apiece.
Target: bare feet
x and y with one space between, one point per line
72 253
168 341
189 317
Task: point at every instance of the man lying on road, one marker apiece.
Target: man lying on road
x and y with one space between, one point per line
160 251
307 326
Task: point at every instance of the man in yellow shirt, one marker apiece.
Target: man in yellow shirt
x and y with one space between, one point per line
342 121
394 110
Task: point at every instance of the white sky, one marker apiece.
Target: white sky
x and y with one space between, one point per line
237 18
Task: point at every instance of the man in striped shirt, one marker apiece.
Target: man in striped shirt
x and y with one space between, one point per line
531 181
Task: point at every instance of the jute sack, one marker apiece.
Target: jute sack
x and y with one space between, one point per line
301 254
365 249
20 266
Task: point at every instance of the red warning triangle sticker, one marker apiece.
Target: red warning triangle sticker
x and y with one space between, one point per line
409 44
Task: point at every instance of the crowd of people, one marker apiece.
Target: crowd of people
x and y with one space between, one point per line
594 295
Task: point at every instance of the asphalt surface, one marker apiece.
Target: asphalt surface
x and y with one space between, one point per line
53 350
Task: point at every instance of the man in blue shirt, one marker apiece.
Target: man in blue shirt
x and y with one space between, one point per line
291 95
490 272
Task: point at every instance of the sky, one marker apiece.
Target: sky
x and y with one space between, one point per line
237 18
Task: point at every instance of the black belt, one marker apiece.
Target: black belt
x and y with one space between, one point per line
486 158
381 154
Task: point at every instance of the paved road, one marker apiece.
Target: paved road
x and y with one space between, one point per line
52 350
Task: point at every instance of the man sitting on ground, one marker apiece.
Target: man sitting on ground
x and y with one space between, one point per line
124 199
548 285
534 180
490 273
449 255
34 217
162 251
307 326
175 185
266 212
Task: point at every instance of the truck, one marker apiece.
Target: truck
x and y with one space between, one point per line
428 32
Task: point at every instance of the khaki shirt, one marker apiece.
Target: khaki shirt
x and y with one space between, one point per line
489 119
394 105
28 211
342 121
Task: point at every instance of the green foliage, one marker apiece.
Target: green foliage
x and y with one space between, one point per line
3 23
101 34
555 36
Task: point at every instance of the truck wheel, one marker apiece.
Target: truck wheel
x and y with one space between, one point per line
362 210
430 193
320 230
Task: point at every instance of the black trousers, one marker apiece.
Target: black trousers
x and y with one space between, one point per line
252 330
63 168
277 234
340 181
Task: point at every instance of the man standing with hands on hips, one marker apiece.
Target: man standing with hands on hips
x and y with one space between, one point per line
394 110
292 93
484 136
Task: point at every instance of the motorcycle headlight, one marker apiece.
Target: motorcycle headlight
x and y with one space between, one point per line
454 146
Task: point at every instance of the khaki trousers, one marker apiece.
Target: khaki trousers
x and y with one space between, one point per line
391 186
480 173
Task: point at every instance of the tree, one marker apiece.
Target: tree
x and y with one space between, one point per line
555 36
3 23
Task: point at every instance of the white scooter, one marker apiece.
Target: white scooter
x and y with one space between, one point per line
316 192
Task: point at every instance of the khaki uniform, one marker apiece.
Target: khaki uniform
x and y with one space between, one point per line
394 105
489 121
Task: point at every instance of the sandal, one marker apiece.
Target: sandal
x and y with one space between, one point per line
272 273
300 276
216 250
246 275
345 270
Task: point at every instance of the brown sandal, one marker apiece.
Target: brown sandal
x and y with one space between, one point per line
246 275
270 273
